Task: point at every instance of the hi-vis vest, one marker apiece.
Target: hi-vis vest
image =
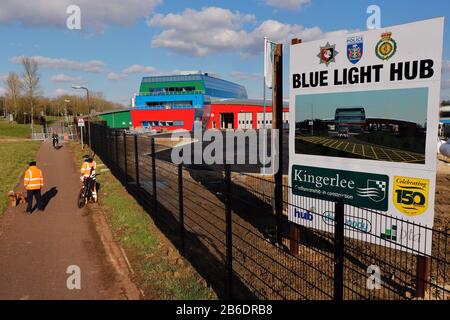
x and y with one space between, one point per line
86 168
33 179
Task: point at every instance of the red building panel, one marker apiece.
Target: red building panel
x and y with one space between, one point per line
138 117
217 109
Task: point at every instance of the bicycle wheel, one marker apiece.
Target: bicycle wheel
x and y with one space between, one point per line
81 199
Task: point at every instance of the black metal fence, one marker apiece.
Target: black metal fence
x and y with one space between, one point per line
226 225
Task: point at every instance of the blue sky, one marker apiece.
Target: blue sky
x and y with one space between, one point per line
121 41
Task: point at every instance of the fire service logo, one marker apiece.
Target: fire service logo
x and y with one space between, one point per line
327 54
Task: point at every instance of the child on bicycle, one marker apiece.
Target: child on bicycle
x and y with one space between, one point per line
88 171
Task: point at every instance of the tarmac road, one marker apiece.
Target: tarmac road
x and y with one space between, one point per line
37 249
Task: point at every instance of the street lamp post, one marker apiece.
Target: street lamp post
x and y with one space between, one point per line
89 110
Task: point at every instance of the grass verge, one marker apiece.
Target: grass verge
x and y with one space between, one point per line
160 272
14 158
14 130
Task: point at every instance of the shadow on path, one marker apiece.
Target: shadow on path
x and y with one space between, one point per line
47 196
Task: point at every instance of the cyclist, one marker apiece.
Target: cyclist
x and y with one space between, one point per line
88 170
55 139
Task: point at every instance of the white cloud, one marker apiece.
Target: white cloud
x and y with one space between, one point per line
137 68
287 4
116 77
244 76
60 92
217 30
201 32
3 77
65 64
98 14
65 78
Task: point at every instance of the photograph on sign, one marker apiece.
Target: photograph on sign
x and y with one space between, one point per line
385 125
365 108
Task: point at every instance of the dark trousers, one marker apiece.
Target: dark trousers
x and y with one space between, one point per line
37 195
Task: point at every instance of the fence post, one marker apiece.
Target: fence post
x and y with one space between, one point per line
154 174
294 238
181 205
136 160
423 276
116 152
339 249
125 157
108 147
228 233
93 146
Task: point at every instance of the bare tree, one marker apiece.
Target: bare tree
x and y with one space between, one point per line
31 82
14 88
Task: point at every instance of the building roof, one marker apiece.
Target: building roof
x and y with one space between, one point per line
247 102
192 76
114 111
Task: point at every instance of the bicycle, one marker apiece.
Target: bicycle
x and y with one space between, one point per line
85 195
55 141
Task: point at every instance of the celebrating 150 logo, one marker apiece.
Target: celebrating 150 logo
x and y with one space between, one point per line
411 195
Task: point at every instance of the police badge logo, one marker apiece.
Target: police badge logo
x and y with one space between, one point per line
386 47
327 54
355 47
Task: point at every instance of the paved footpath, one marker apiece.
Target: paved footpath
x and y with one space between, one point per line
37 249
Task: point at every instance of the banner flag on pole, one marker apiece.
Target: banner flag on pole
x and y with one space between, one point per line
269 55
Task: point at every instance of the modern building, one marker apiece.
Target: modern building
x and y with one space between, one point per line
444 122
352 118
445 115
175 102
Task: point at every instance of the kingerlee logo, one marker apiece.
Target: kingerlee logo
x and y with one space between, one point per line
360 189
411 195
376 190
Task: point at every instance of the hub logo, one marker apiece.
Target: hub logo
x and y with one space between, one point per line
351 223
305 214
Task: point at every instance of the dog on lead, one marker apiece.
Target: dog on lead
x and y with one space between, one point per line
16 198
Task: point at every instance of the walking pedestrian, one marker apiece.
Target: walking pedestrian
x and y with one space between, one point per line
33 182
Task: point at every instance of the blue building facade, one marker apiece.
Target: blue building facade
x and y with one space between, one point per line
191 92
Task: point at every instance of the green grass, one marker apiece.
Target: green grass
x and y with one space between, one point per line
14 157
137 234
14 130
